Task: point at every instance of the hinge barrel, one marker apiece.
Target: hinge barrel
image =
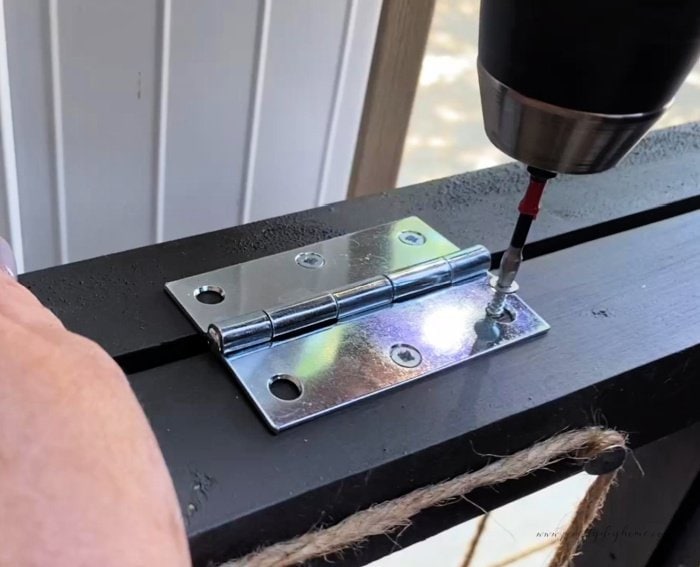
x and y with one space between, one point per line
308 313
421 278
264 326
363 296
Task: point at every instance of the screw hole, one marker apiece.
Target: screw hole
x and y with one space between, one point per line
405 355
506 317
285 387
412 238
209 294
310 260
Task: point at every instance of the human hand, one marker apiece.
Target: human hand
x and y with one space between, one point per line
82 479
7 259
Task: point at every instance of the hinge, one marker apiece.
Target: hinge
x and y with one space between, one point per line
326 308
348 317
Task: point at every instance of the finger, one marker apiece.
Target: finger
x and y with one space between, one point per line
16 301
18 304
7 259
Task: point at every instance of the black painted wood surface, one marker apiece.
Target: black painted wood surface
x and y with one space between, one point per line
623 350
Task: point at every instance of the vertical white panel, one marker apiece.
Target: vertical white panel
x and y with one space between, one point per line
166 20
303 50
257 89
59 157
27 23
108 71
115 150
353 73
8 185
4 211
210 77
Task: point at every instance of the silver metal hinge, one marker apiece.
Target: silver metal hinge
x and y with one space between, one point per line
315 329
277 322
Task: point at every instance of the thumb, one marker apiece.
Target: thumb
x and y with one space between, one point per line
7 259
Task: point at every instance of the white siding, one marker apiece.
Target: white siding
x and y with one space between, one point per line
142 120
10 220
208 105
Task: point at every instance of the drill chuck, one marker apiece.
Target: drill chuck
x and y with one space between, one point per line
571 87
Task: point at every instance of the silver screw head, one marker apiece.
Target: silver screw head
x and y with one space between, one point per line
310 260
405 355
412 238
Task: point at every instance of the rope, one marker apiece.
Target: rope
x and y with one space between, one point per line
475 541
587 512
388 516
508 561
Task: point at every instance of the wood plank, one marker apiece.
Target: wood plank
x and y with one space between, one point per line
398 56
658 181
624 351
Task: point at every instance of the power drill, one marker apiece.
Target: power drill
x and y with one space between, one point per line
571 87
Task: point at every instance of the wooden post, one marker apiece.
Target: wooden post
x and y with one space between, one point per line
398 56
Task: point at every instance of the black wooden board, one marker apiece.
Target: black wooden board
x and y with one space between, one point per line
659 180
623 351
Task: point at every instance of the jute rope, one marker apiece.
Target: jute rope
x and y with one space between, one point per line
587 512
388 516
474 543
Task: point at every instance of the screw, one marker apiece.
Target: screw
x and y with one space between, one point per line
607 461
412 238
310 260
406 355
496 307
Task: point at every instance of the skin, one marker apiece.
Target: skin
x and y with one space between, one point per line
82 479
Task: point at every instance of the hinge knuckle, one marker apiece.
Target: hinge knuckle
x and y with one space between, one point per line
242 332
363 296
469 262
304 314
420 278
267 325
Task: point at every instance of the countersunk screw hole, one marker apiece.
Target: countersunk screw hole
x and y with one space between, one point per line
285 387
406 355
209 294
310 260
412 238
506 317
